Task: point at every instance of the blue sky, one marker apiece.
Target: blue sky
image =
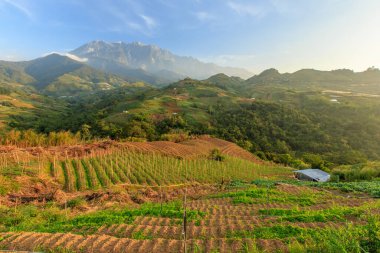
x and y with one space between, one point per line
254 34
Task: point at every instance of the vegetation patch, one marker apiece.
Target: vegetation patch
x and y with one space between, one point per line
296 215
273 232
261 195
53 220
370 187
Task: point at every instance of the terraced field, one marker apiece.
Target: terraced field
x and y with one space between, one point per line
134 168
256 218
130 197
192 148
103 165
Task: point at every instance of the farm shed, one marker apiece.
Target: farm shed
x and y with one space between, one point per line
315 175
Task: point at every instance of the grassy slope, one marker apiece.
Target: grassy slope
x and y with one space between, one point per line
18 101
190 98
160 163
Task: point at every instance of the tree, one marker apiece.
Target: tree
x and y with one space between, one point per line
85 132
216 155
314 160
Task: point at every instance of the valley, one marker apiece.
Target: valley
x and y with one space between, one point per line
105 150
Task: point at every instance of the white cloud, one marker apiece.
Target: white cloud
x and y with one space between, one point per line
247 9
21 7
133 19
204 16
234 60
11 58
149 21
71 56
75 58
135 26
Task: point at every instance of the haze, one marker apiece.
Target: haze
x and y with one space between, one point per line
255 35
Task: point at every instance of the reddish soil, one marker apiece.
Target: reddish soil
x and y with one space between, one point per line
295 190
210 234
192 148
109 244
39 191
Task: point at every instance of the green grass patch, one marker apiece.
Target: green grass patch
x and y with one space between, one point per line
242 200
296 215
53 219
259 195
274 232
139 235
369 187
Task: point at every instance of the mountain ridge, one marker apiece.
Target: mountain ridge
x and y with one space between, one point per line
150 59
59 75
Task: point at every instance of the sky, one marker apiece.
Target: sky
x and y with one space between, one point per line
253 34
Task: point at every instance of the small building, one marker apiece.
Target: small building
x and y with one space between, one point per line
314 175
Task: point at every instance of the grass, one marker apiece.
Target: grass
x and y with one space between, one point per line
259 195
346 239
363 171
324 215
56 250
8 185
369 187
54 220
284 213
274 232
355 228
139 235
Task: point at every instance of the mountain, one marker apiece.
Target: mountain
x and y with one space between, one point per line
11 72
230 83
59 75
148 62
341 80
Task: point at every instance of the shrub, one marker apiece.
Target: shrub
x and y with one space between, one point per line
76 202
261 155
175 137
216 155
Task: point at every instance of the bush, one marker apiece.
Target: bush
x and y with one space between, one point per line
216 155
261 155
316 161
76 202
362 171
7 185
175 137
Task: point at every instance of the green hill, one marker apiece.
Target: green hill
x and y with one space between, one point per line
313 80
21 105
12 74
58 75
226 82
320 117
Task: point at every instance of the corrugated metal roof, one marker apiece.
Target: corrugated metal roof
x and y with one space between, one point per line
316 174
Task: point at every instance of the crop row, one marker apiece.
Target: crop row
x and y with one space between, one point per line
214 222
126 167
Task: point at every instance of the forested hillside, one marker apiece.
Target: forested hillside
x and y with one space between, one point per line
59 76
284 123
